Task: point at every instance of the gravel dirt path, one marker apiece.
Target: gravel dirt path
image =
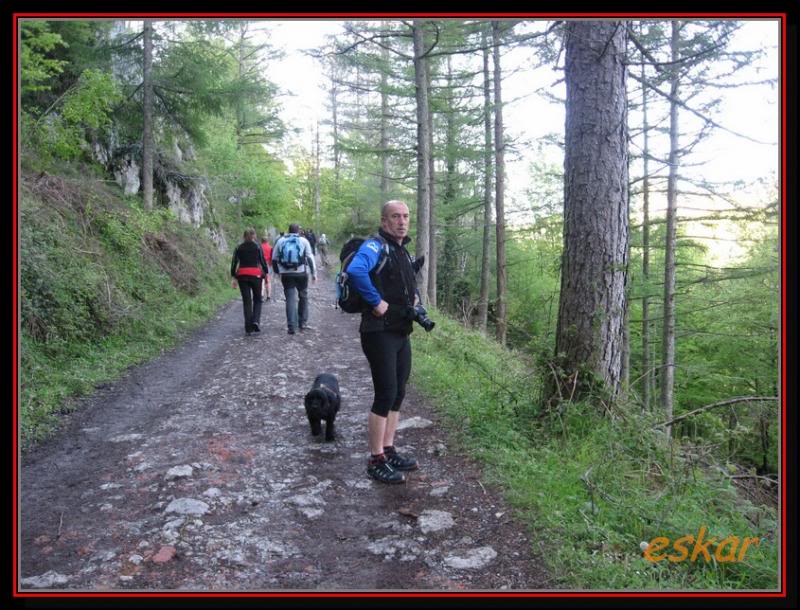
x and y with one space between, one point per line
198 472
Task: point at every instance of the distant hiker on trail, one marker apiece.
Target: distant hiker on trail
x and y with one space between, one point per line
293 260
248 268
384 330
267 249
312 239
323 249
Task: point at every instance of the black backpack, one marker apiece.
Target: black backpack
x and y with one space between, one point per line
348 298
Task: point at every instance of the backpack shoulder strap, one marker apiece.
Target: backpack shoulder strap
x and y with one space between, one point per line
384 255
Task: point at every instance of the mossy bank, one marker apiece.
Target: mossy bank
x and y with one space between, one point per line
103 285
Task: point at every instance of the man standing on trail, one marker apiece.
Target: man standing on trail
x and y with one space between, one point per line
312 239
323 249
293 260
248 268
391 293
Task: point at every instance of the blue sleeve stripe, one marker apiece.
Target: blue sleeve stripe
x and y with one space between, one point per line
363 262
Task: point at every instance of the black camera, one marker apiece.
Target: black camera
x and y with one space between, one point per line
421 318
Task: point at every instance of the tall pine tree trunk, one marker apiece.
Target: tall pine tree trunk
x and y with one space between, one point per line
240 116
499 149
384 144
147 117
483 298
668 330
625 375
589 334
647 375
431 259
335 119
449 193
317 196
423 152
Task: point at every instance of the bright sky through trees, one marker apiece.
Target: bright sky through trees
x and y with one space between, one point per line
750 110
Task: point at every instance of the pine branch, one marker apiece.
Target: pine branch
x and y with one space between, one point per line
721 403
695 112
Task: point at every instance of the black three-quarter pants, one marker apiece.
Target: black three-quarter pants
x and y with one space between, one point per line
389 357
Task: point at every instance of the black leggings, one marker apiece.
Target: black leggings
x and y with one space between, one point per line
389 357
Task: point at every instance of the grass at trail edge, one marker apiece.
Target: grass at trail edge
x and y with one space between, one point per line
591 486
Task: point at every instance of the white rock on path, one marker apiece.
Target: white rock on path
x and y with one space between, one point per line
179 472
435 520
122 438
306 500
312 513
472 560
414 422
390 545
187 506
43 581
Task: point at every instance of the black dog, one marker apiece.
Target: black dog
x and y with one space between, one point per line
322 402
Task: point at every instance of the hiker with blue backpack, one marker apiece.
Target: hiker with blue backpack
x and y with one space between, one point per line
293 259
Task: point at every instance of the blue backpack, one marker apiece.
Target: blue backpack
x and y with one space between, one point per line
290 255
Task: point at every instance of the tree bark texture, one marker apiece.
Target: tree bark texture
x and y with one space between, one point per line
483 299
317 186
449 196
499 189
335 118
384 143
423 167
589 335
668 328
431 259
147 117
647 375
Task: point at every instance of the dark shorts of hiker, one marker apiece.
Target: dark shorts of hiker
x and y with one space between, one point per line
389 357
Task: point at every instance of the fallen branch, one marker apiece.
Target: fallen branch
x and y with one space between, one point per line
752 476
722 403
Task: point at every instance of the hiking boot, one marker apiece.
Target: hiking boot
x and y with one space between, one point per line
290 331
400 462
381 471
256 328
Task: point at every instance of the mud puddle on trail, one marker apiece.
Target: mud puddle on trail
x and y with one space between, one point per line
197 472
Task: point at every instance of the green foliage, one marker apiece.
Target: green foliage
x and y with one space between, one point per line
37 68
250 186
85 106
101 288
591 487
726 343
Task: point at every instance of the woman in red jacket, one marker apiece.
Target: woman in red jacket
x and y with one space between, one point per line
267 249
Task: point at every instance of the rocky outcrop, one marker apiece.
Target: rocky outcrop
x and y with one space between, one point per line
127 173
183 194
